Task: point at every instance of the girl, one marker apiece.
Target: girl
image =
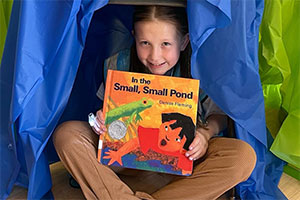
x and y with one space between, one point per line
161 47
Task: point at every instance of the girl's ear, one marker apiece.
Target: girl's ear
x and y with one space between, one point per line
184 42
132 32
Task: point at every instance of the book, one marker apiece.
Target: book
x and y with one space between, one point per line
150 121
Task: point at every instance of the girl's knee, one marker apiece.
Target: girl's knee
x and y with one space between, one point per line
246 158
238 157
68 133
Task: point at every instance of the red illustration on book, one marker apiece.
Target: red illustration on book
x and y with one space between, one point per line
173 138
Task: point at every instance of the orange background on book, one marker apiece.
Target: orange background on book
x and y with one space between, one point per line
151 116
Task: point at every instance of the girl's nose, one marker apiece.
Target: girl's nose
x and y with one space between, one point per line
155 54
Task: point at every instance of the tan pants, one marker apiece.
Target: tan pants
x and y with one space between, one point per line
227 162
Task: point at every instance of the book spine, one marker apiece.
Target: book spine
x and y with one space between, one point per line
108 88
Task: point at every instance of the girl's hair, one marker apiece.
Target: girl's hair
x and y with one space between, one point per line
174 15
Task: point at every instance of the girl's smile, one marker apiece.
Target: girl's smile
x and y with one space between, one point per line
158 45
153 65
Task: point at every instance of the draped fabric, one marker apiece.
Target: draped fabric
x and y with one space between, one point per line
225 60
43 48
50 73
280 71
5 9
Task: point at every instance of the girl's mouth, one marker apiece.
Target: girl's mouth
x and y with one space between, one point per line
156 65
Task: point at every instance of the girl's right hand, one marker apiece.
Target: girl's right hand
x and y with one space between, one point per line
99 125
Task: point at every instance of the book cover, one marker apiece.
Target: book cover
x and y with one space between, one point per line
150 121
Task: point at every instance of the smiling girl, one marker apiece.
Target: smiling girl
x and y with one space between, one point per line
161 47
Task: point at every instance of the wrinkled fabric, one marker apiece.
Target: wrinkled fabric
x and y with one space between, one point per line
10 165
37 73
50 73
280 72
227 65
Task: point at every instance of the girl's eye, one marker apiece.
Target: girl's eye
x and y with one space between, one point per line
144 43
166 128
177 139
166 44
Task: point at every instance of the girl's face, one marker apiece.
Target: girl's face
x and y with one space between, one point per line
158 45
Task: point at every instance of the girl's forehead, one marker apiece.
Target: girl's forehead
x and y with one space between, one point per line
156 27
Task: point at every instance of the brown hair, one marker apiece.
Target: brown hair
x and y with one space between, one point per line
175 15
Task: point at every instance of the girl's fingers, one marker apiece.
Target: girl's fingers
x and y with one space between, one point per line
197 148
194 144
96 130
100 121
100 124
103 127
99 129
198 154
192 155
194 147
100 116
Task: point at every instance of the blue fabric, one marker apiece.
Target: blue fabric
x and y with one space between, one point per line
225 60
9 160
50 74
37 74
108 23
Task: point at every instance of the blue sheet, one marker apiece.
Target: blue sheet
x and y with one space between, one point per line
51 65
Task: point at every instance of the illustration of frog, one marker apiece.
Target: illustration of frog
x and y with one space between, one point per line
131 109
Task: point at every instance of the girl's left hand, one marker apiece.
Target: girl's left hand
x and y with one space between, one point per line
198 147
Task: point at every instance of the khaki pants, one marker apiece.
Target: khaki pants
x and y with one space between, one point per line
227 162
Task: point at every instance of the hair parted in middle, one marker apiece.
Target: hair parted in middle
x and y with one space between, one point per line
175 15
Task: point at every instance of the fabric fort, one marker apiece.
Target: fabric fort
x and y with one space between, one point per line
148 90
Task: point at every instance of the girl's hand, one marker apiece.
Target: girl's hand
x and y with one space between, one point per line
99 127
199 146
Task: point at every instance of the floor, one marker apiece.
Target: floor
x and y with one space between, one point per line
62 190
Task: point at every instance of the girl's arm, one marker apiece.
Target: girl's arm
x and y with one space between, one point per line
216 124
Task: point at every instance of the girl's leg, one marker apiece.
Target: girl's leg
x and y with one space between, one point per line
145 181
76 146
227 162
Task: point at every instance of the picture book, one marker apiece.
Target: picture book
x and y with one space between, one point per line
150 121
